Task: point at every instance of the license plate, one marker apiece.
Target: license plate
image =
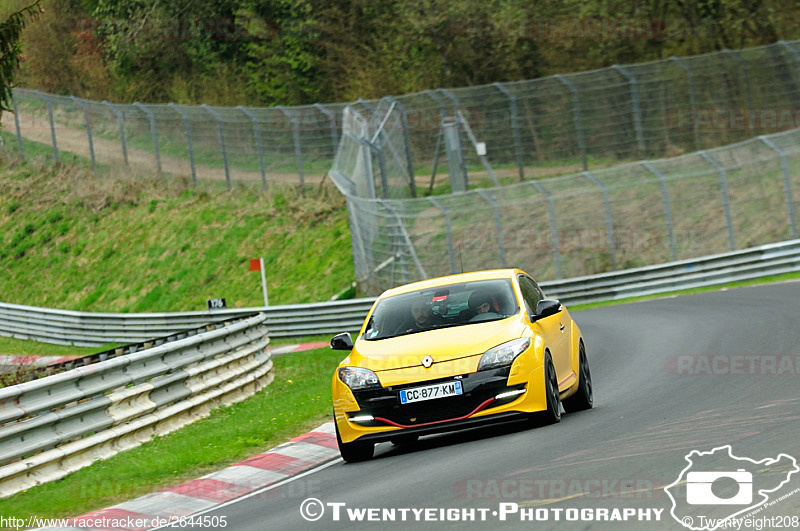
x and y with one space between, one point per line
430 392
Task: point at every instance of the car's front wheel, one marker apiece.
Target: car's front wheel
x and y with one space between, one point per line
583 398
354 451
552 414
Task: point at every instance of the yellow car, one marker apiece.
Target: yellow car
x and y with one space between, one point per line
453 352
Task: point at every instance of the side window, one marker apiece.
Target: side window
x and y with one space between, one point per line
530 293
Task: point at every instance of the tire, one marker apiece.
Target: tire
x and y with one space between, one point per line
583 399
552 414
355 451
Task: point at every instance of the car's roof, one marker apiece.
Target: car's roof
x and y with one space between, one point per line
451 279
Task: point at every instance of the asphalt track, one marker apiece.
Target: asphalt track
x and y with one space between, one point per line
649 414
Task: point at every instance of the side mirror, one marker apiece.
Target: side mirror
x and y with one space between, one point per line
342 342
546 308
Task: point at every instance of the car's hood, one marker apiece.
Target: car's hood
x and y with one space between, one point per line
444 344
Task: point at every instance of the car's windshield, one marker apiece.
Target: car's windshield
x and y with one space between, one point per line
443 306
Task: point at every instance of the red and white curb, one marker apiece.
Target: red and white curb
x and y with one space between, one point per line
169 505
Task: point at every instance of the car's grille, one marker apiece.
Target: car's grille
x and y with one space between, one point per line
385 403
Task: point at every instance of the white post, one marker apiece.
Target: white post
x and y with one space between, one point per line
264 283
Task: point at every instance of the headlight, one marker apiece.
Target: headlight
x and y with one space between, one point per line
503 354
356 378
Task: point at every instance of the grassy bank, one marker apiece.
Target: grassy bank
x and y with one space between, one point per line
72 240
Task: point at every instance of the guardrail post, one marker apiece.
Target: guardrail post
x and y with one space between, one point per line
16 123
332 120
551 212
88 129
637 111
257 139
787 182
667 211
692 101
576 116
498 226
745 71
449 233
512 103
723 181
52 123
298 154
221 128
407 142
153 132
406 237
187 126
121 126
612 246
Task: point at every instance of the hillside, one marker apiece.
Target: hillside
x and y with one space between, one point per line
73 240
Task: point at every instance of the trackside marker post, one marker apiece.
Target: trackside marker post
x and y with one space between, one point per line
257 264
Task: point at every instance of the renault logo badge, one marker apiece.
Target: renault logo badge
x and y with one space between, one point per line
427 361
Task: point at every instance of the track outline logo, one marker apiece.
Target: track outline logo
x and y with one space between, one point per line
701 490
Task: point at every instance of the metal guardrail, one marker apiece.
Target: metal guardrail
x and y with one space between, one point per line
54 425
297 320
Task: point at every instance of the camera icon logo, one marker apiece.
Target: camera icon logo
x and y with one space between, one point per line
699 492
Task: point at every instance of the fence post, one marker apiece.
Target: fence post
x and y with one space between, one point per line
88 129
153 132
189 146
726 204
121 125
746 71
667 211
612 246
298 154
221 128
52 123
257 138
551 212
16 123
576 116
692 101
637 111
407 141
449 233
332 120
442 113
457 108
498 226
787 182
512 103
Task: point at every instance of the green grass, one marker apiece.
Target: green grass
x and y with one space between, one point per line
77 241
297 400
22 347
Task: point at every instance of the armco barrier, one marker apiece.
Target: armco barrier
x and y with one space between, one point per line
54 425
297 320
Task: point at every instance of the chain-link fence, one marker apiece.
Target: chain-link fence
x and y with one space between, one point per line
635 214
552 125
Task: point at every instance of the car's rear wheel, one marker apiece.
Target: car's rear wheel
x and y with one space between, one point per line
552 414
583 399
354 451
